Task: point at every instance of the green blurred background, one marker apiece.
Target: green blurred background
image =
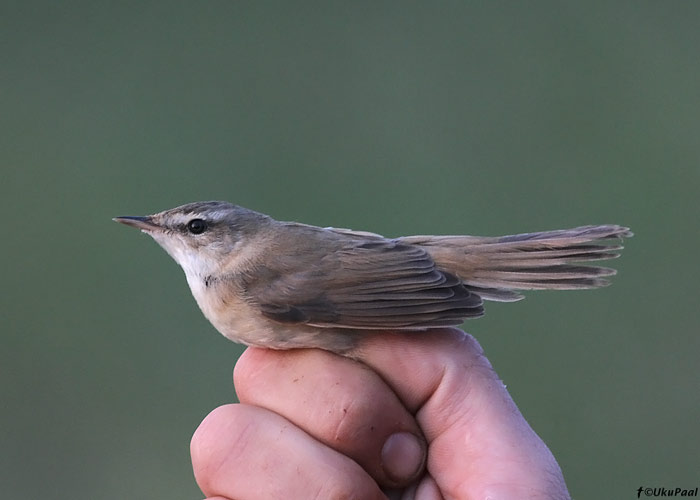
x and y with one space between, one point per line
394 117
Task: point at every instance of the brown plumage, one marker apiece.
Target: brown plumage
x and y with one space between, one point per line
284 284
497 267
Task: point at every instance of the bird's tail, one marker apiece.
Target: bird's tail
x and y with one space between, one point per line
496 268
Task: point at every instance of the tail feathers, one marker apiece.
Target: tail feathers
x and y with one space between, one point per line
497 267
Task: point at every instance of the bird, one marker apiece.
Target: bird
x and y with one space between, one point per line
286 285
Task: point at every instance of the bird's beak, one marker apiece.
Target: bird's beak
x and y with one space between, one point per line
142 223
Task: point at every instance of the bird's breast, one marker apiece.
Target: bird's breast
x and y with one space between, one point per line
238 319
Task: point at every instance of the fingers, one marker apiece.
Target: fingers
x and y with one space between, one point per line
339 402
242 452
317 416
479 443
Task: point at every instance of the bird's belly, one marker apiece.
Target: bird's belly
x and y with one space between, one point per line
241 322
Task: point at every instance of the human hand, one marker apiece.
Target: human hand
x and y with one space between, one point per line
423 416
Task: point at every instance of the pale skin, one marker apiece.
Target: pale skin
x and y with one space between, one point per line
423 417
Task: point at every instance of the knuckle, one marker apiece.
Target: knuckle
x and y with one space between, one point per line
209 452
247 372
348 420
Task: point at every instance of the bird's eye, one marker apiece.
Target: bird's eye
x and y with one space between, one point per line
197 226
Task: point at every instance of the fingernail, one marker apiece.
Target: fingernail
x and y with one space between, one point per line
403 456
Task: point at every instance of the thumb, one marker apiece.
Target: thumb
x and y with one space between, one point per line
479 444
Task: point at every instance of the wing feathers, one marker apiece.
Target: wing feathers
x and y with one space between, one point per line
361 280
368 284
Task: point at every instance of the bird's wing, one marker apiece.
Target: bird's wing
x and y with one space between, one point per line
359 281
